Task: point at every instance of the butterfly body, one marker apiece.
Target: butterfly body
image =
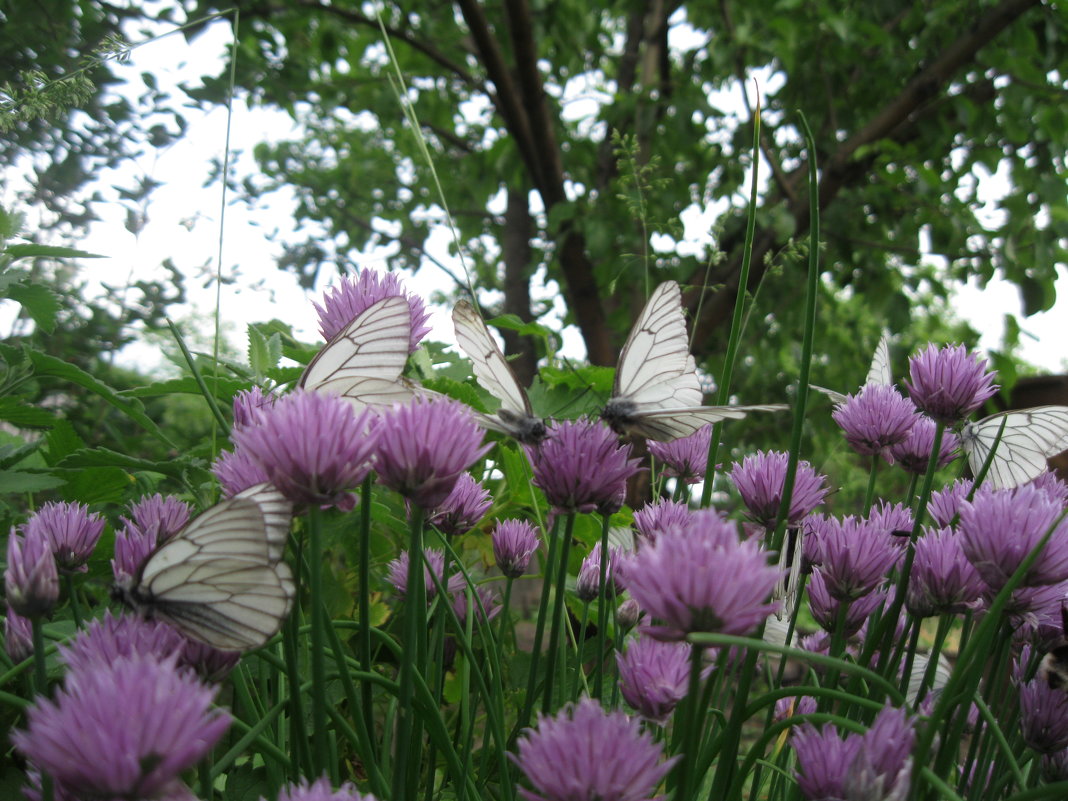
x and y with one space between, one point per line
657 393
1028 439
221 579
515 417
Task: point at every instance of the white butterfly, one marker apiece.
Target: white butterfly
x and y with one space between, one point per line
878 374
515 416
221 579
364 361
1030 437
657 393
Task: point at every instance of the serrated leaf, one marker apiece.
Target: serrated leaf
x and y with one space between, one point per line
99 485
16 481
62 441
11 455
31 251
103 457
264 352
223 388
50 365
39 302
24 415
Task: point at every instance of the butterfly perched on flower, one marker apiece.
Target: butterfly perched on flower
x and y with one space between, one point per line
221 580
657 393
1028 439
364 361
515 417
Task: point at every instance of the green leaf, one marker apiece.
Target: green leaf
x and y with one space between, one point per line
62 441
245 783
50 365
103 457
30 251
11 455
24 415
99 485
264 352
39 301
223 388
16 481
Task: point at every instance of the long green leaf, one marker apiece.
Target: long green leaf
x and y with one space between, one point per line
50 365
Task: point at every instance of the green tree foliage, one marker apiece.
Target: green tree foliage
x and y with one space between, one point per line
909 103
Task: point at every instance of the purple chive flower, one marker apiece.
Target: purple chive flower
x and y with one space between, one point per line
153 520
1055 766
314 447
237 471
167 725
1044 716
70 530
945 503
627 614
854 556
249 405
210 664
582 467
432 560
112 638
320 790
1000 527
424 447
684 458
343 303
659 516
587 754
949 383
1050 484
654 676
486 602
760 479
514 543
822 760
893 520
825 607
942 579
159 516
874 765
875 418
463 507
588 582
703 579
18 636
913 452
31 581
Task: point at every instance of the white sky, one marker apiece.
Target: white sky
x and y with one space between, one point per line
184 219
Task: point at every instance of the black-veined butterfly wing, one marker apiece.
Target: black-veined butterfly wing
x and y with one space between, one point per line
220 579
1029 438
364 362
657 393
879 373
515 416
374 344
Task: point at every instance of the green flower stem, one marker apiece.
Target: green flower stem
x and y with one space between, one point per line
551 665
539 632
690 730
318 638
363 635
75 608
945 622
40 687
300 758
573 695
409 735
869 497
505 629
602 617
